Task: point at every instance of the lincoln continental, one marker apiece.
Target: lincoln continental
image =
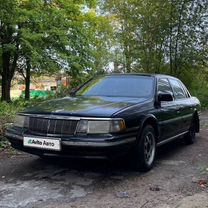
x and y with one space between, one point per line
111 116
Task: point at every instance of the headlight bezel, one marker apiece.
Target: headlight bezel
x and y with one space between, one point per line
104 126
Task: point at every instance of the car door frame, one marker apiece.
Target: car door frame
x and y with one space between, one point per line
186 107
170 115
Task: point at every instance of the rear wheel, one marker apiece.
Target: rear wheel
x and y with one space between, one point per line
145 150
191 135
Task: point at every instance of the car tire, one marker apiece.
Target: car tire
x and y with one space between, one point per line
145 150
191 135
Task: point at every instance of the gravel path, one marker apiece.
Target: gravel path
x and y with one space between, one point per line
179 180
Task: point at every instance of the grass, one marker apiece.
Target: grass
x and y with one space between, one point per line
4 144
202 95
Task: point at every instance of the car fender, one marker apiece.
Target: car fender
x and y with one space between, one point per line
151 120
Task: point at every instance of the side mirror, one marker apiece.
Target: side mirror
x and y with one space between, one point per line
73 92
165 97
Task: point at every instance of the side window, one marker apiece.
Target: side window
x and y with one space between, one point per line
177 89
186 90
164 86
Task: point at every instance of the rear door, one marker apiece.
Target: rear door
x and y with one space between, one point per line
185 105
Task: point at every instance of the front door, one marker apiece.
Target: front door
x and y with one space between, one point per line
170 114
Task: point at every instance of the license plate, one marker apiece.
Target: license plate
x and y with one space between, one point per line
42 143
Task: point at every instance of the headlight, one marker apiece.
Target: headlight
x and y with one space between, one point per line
21 121
100 126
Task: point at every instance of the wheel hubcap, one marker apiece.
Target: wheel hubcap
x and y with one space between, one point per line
149 148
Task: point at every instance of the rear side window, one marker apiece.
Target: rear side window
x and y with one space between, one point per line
164 86
177 89
186 90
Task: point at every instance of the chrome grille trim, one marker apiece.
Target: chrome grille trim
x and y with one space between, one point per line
52 126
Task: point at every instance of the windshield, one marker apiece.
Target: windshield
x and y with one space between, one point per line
119 86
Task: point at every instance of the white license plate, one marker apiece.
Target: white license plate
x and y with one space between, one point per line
42 143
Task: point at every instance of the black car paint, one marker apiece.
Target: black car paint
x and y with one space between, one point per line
84 106
170 119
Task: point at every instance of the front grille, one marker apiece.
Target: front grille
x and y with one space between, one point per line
52 126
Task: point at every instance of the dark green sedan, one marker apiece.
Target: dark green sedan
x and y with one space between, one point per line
110 116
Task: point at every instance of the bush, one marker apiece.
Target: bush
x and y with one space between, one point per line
8 112
199 88
196 82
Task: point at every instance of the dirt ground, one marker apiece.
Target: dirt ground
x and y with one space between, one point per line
179 180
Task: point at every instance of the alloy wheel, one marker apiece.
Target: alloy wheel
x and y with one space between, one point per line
149 148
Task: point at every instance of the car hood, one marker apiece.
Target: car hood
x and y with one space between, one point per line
84 106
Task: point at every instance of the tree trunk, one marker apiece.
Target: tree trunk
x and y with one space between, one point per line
128 64
5 88
127 57
27 80
170 39
178 37
6 78
9 64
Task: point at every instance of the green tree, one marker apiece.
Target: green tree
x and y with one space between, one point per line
9 46
160 36
46 36
187 34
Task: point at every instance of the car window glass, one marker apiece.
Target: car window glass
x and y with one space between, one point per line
119 86
185 89
177 89
164 86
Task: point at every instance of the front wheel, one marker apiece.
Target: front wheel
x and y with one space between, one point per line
145 150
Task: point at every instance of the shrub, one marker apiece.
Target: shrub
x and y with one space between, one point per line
7 114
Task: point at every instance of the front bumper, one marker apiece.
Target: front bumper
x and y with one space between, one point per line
108 146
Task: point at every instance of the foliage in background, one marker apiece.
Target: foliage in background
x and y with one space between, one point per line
38 36
163 36
199 87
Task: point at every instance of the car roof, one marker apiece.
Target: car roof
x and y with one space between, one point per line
143 74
